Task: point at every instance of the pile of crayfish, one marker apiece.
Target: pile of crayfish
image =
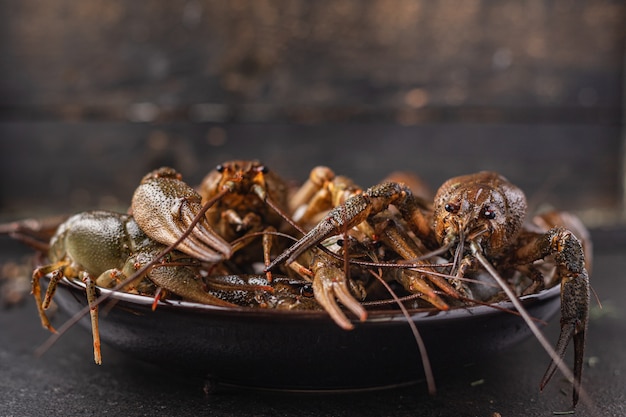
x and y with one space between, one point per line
247 238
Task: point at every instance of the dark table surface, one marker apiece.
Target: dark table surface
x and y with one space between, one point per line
65 381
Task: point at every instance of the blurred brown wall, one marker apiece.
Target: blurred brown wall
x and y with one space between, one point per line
94 94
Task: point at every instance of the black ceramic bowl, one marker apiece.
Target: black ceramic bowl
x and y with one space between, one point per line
303 350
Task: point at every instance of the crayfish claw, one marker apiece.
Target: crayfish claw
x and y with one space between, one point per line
185 282
330 284
165 208
343 217
201 238
568 332
575 299
574 317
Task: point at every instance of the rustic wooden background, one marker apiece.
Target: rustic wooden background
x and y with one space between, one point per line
94 94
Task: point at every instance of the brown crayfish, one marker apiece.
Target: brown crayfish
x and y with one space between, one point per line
479 220
476 225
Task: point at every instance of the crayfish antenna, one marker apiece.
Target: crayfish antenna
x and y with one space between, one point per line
428 370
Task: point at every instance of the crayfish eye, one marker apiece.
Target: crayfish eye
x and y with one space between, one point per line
263 169
220 168
451 208
307 290
488 213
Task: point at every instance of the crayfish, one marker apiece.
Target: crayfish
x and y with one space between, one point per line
103 249
478 219
178 241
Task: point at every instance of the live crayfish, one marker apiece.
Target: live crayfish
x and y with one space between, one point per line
104 248
325 190
239 193
476 224
479 219
243 198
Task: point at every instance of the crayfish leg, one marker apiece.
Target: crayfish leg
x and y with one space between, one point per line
414 281
55 269
268 240
158 296
92 296
313 194
55 277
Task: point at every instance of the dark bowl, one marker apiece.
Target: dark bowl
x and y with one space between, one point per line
303 350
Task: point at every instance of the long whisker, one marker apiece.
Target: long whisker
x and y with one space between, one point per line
411 297
478 232
428 371
284 215
257 234
458 253
432 254
399 264
408 263
417 267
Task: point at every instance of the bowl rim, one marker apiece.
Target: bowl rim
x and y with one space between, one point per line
374 315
